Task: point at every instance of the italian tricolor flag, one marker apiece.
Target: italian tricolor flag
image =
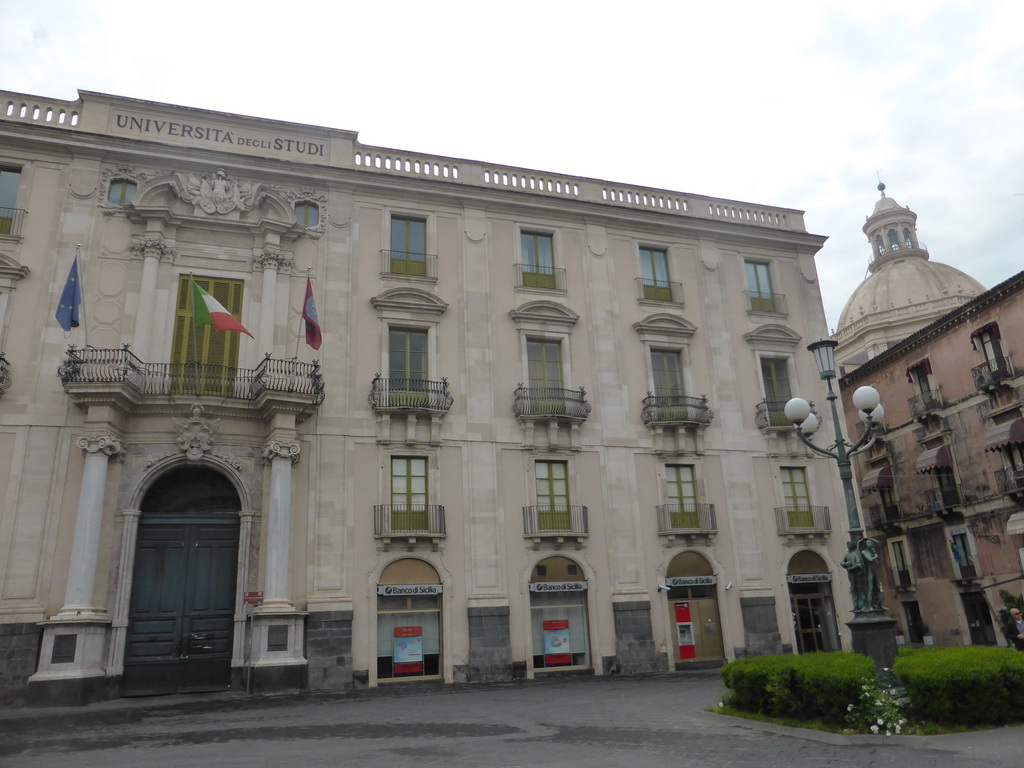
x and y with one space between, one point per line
208 311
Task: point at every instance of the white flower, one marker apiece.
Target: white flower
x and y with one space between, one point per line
874 729
881 721
849 707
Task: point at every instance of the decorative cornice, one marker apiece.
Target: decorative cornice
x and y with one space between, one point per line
218 193
154 247
273 259
196 434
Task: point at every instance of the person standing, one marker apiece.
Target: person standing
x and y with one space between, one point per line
1013 629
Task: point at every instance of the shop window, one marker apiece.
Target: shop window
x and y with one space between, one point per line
408 621
560 634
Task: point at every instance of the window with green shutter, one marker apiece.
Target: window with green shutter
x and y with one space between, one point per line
217 351
409 493
797 497
681 491
408 246
552 479
538 260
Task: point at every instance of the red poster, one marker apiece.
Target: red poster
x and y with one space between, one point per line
407 654
556 642
684 632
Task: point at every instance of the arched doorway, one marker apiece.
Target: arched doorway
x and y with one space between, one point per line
560 631
408 621
693 609
810 595
180 619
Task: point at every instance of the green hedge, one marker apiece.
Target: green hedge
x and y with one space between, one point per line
814 685
967 685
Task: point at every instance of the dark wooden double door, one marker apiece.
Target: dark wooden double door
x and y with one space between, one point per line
180 623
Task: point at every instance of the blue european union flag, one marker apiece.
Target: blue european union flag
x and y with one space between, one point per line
70 300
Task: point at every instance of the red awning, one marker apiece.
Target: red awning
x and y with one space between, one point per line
877 478
934 457
1002 435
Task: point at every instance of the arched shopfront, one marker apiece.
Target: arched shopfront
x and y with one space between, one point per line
409 642
693 609
181 615
560 631
810 595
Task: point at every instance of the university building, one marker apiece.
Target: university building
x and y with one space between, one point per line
543 433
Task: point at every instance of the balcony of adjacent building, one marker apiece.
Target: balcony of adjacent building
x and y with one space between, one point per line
771 415
116 376
11 222
541 277
925 403
556 524
408 525
764 302
945 501
414 407
886 516
661 291
420 267
803 521
990 374
1010 482
676 420
690 522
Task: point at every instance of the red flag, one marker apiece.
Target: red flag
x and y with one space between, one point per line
314 336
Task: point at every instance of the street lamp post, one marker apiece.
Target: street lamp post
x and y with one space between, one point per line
872 630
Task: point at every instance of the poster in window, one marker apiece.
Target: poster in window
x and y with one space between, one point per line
407 650
556 642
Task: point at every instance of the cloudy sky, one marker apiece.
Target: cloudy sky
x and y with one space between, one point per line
796 104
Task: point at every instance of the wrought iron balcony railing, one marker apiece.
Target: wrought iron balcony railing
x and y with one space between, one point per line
659 290
537 276
991 372
1010 480
408 264
942 499
687 517
965 570
550 403
555 520
885 514
408 520
5 374
11 220
763 301
676 409
399 394
771 414
802 519
925 402
121 367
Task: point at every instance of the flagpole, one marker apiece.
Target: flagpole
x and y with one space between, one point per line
81 282
195 329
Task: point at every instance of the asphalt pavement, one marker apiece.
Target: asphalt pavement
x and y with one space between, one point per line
598 722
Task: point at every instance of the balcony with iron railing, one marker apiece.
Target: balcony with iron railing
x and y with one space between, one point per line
5 374
659 290
942 500
551 403
117 374
409 522
991 372
925 403
539 276
764 301
402 394
886 516
11 222
688 517
802 519
1010 480
771 414
407 264
965 571
556 523
676 410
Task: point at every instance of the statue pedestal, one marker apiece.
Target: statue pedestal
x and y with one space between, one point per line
874 635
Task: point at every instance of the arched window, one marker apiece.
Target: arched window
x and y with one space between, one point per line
880 245
908 241
121 192
894 240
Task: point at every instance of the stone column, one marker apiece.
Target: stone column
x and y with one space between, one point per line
78 598
282 455
152 250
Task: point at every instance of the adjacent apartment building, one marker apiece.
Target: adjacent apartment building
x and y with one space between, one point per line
543 433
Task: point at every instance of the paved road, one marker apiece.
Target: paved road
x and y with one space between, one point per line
646 722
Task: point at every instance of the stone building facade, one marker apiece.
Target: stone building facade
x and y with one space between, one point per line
543 433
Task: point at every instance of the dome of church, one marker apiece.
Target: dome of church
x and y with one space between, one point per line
905 290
